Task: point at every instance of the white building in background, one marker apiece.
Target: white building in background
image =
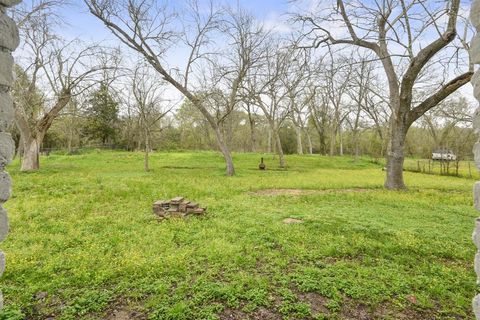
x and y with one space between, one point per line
444 154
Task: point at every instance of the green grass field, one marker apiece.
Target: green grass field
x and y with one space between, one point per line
84 243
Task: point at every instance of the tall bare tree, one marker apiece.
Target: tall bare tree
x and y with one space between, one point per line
358 92
150 104
399 33
319 115
151 27
53 72
336 77
226 77
295 80
266 90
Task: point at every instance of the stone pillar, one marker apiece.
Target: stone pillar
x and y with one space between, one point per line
9 41
475 58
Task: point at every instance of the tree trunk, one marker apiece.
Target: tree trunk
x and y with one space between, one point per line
20 146
396 156
269 141
279 149
253 139
333 142
70 140
298 132
225 152
323 142
320 127
146 166
227 127
356 143
340 134
309 141
30 159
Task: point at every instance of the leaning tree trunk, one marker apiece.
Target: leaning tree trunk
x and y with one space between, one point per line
31 152
225 151
396 156
33 138
230 169
20 146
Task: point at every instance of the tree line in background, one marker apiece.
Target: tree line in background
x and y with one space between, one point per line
384 87
109 123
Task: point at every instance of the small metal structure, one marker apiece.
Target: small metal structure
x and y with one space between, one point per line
262 165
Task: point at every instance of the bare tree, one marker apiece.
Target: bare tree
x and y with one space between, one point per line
150 28
266 90
253 119
358 92
318 110
53 73
226 76
336 77
149 103
401 40
295 80
440 123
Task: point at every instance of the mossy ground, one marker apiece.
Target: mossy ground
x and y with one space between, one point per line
83 235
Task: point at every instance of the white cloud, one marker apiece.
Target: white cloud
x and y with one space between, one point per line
276 23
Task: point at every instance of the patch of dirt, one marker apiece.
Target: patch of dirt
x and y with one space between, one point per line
317 302
125 315
259 314
355 311
232 314
265 314
186 167
292 221
387 311
350 310
358 311
123 309
305 192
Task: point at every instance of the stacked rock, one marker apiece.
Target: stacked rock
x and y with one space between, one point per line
475 59
9 41
178 207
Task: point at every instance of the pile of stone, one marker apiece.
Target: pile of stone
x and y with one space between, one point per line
178 207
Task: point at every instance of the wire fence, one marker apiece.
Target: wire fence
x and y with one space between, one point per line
457 168
81 149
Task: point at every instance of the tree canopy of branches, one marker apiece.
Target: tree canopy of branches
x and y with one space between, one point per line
54 71
412 40
151 28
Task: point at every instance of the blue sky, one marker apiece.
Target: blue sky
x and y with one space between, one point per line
82 25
